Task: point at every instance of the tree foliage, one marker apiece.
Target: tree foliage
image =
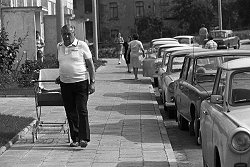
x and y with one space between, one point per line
192 13
149 27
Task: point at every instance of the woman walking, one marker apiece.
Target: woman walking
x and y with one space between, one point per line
137 54
119 46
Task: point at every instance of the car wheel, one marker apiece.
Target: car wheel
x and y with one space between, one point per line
182 122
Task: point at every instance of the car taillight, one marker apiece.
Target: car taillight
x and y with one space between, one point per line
241 141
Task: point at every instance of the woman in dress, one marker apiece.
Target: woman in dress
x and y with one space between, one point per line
137 54
119 46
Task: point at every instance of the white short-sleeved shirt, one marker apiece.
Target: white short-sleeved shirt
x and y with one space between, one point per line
72 65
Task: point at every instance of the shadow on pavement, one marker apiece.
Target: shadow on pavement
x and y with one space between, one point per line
143 163
131 95
133 81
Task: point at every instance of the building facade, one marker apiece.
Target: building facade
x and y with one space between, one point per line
120 15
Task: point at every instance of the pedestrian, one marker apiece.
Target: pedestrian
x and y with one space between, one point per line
119 46
211 44
126 54
137 54
39 46
77 82
203 33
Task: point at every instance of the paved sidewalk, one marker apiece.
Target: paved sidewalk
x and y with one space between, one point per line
127 129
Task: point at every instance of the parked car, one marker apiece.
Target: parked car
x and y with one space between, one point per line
153 59
195 84
225 39
225 117
169 72
163 39
187 39
161 68
156 44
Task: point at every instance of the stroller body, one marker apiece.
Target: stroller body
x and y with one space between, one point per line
47 93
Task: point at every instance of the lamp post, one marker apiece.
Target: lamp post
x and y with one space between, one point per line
219 15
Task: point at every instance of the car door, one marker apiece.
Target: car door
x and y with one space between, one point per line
211 117
180 86
187 87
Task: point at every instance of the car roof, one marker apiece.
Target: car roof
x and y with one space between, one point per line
179 48
172 45
221 31
236 64
191 49
164 42
184 36
163 39
214 53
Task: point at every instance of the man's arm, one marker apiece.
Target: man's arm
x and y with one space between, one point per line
91 70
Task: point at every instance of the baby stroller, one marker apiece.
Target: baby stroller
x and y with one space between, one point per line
47 93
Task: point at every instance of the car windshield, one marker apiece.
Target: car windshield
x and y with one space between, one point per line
219 34
240 88
205 69
177 63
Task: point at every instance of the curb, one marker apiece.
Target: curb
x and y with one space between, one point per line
168 147
17 137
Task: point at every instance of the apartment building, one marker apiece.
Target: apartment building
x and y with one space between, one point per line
120 15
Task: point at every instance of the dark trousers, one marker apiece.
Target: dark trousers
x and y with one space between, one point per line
75 98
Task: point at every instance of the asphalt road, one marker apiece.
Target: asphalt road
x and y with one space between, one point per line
187 153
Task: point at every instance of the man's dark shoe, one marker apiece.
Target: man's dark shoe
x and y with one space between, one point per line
83 143
74 144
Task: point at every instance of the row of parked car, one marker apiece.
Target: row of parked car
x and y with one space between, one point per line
208 93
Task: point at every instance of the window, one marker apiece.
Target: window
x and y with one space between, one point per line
139 5
190 71
113 10
88 6
29 3
184 70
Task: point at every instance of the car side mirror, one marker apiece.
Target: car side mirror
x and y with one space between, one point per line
216 99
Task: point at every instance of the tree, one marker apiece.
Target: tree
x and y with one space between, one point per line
192 13
149 27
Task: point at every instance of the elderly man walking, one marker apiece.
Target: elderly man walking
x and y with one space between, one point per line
77 80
